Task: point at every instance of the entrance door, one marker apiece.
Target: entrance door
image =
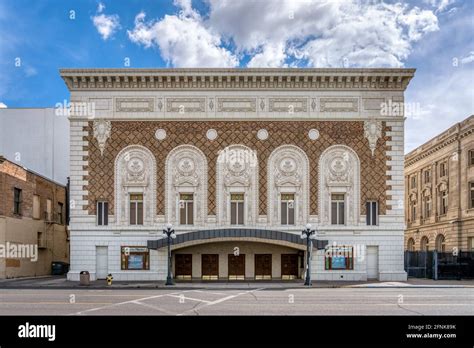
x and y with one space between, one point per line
210 266
236 267
263 266
183 266
101 261
289 266
372 262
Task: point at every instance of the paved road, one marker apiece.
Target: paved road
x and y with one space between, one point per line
261 301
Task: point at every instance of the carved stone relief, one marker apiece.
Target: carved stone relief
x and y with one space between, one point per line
102 130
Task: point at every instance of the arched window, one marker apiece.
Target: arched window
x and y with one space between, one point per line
135 186
237 186
186 186
411 244
339 185
288 186
424 244
440 244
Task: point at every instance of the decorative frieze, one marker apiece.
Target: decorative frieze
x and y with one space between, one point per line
236 104
183 105
134 105
339 104
290 105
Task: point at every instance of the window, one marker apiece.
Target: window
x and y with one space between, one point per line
440 245
427 207
470 244
47 213
186 209
17 201
427 176
411 245
41 240
102 213
60 213
471 201
36 207
337 209
135 258
372 213
413 211
339 257
136 209
287 209
237 209
424 244
443 203
413 182
471 157
443 170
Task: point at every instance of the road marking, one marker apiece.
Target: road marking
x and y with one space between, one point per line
208 292
189 298
153 307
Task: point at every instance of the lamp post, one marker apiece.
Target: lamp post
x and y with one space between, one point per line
169 232
307 233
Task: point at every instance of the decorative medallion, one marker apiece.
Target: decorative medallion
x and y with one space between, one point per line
372 131
211 134
287 165
186 166
160 134
313 134
262 134
102 130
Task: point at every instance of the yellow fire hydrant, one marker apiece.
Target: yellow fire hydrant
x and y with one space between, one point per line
109 279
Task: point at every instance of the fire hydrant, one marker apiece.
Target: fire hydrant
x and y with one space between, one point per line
109 279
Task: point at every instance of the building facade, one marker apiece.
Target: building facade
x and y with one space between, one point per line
439 187
239 161
33 217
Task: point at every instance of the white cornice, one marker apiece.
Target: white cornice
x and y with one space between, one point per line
237 79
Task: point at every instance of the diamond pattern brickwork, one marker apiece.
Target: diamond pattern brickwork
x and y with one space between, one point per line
125 133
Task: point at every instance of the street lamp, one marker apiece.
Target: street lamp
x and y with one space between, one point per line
307 233
169 232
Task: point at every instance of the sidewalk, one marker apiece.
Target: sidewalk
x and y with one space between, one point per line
60 282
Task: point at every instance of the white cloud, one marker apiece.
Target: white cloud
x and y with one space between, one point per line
106 25
468 59
183 40
2 106
271 56
440 5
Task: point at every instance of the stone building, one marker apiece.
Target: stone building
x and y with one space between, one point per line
439 191
33 229
239 161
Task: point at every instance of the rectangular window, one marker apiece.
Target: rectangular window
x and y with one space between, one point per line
102 213
427 174
237 209
444 202
443 169
36 207
17 201
135 258
413 211
60 213
471 201
470 244
186 209
372 211
413 182
339 258
337 209
49 207
287 209
471 157
427 212
136 209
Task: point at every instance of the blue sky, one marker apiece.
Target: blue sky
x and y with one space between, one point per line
433 36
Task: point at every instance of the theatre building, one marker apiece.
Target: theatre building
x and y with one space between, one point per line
239 161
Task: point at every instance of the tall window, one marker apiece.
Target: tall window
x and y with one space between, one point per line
102 213
186 209
427 207
471 157
49 207
440 243
413 182
36 207
443 169
471 201
17 201
337 209
287 209
237 209
424 244
411 245
413 211
427 176
372 211
470 244
136 209
60 213
443 202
